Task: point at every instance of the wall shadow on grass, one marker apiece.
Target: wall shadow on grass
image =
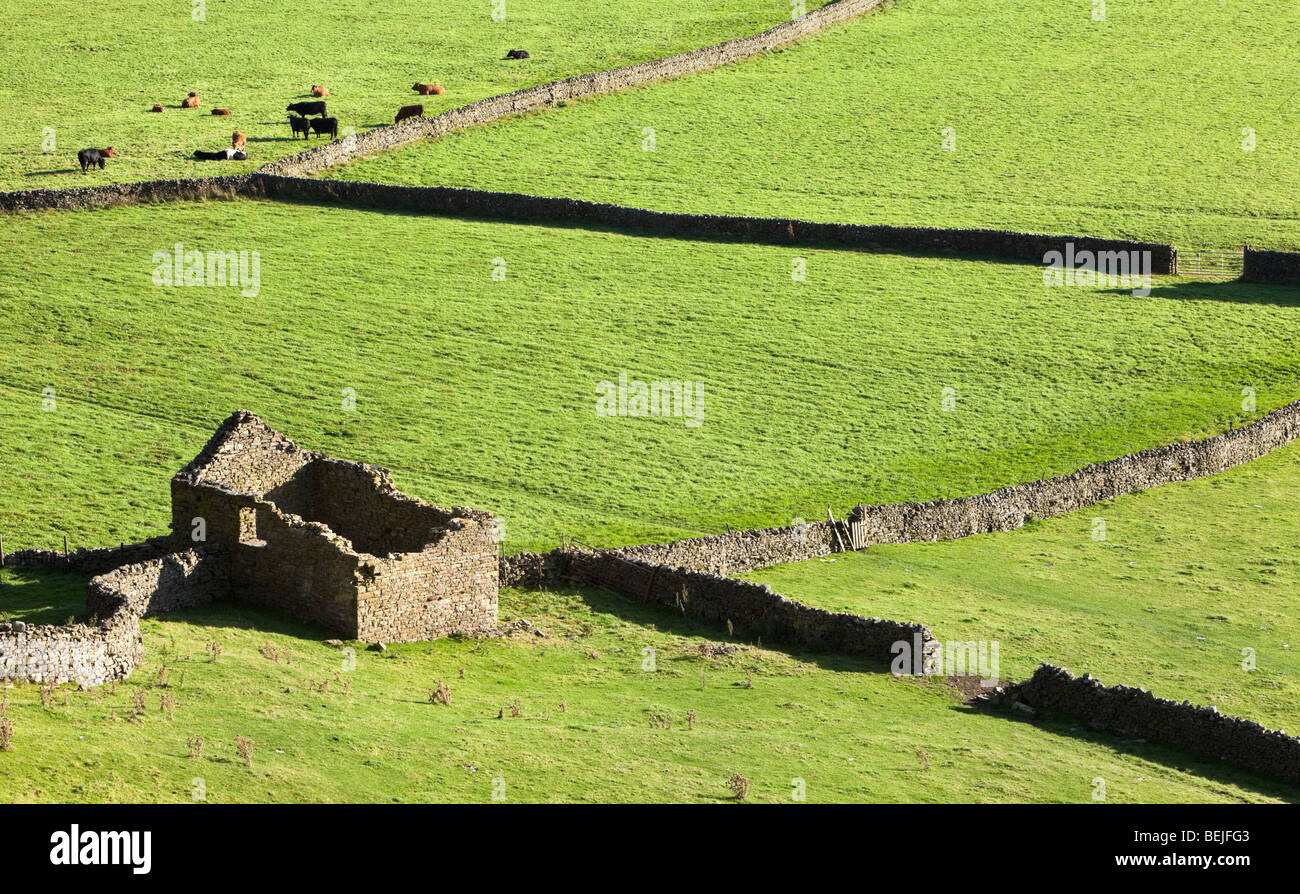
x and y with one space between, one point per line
637 233
1165 755
1234 291
657 618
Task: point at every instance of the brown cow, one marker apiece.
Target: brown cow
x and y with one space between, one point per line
405 112
156 108
221 111
422 89
190 102
237 140
317 90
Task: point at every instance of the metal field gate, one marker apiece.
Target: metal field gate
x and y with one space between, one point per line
1209 264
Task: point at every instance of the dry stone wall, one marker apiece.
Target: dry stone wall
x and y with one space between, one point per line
518 207
184 579
1129 711
107 646
550 94
130 193
737 552
1282 267
1011 507
748 608
92 561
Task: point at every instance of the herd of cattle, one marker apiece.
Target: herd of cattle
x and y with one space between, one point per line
306 118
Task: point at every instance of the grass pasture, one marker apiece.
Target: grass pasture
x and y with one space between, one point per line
91 80
1188 576
1128 127
481 392
592 725
468 355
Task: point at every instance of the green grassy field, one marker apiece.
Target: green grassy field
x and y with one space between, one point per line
1187 577
483 393
91 79
1129 127
591 726
39 596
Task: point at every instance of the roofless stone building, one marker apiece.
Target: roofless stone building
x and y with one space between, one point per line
257 519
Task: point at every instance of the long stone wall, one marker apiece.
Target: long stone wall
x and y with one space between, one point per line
92 561
550 94
745 607
518 207
1011 507
1130 711
1282 267
737 552
130 193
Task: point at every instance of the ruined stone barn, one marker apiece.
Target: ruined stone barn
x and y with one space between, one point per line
334 542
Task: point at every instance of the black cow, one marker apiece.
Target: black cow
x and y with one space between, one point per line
517 54
91 157
300 126
325 126
221 155
307 108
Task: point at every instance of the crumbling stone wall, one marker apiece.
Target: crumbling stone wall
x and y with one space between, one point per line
449 586
1281 267
297 567
335 542
107 645
361 503
737 552
1130 711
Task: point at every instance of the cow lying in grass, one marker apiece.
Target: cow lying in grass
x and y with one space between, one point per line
428 89
299 126
91 157
318 90
328 126
190 102
517 54
238 141
405 112
306 108
221 155
221 111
